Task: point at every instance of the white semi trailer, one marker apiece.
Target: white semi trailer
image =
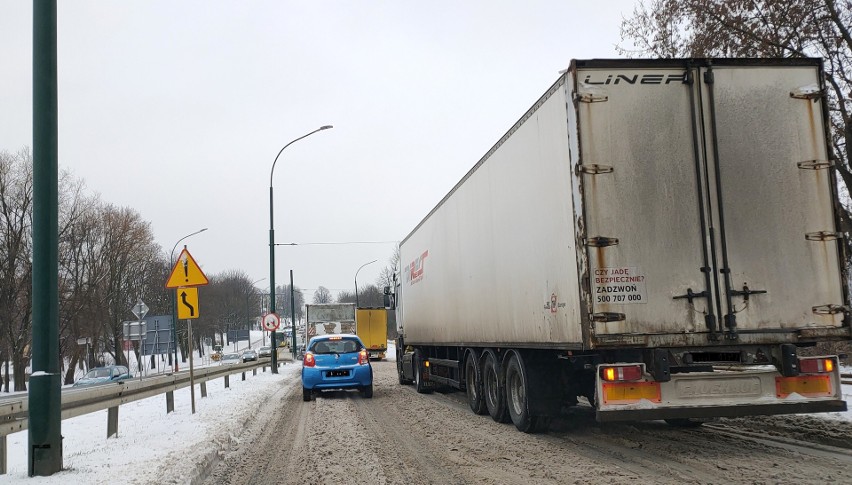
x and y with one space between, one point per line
657 236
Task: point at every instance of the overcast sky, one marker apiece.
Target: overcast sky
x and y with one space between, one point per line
178 109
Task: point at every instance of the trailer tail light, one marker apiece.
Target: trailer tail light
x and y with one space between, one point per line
817 365
814 379
309 360
621 373
363 357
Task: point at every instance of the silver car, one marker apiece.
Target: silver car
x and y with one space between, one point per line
265 351
230 358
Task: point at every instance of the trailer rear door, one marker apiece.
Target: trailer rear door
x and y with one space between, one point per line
707 204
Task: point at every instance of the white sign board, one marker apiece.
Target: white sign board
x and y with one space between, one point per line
621 286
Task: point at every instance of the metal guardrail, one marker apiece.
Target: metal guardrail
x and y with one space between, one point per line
76 402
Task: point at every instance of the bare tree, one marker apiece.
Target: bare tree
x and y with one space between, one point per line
760 28
284 306
345 296
16 192
386 276
322 295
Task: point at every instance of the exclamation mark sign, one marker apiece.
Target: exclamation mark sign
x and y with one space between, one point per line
185 268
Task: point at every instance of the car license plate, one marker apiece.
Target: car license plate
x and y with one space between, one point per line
338 373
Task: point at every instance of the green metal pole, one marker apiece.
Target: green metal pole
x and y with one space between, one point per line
45 434
272 274
293 313
272 248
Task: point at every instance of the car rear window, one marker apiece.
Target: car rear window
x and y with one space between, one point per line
342 346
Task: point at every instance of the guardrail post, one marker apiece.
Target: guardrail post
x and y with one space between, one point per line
254 371
2 455
204 389
170 402
112 421
227 381
244 376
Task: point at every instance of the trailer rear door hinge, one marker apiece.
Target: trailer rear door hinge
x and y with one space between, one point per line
594 169
601 241
829 309
816 164
591 98
608 317
811 92
823 236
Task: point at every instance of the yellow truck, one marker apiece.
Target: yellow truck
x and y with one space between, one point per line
371 325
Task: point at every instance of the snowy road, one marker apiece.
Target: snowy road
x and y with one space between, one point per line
399 436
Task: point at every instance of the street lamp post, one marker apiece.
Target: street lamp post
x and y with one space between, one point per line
174 295
272 249
356 280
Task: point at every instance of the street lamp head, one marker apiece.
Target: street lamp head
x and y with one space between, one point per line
326 127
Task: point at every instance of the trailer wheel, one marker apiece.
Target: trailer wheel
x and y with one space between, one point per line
493 389
473 383
518 395
418 375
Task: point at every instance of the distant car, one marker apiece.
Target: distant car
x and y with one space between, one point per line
337 361
265 351
104 375
249 355
231 358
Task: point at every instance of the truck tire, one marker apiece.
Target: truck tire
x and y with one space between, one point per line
518 395
493 389
473 383
402 380
419 384
400 373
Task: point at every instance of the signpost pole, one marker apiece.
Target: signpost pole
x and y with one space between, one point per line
191 375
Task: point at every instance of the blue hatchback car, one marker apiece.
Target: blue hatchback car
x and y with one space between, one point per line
339 361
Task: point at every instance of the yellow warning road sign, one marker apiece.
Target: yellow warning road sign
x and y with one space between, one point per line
186 272
187 303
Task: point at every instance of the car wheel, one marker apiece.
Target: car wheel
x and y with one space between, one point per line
306 394
367 391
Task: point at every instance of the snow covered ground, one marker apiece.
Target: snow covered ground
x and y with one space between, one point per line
155 447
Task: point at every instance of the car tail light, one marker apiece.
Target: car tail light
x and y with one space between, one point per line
621 373
309 360
817 365
363 357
